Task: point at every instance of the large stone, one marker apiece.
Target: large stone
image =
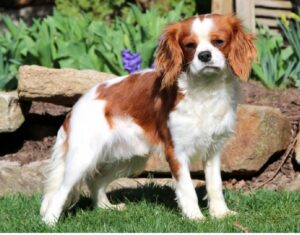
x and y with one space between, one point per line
16 178
58 86
28 179
11 116
260 132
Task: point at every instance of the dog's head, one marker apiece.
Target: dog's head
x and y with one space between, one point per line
205 45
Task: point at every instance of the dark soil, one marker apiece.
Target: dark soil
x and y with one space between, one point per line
34 140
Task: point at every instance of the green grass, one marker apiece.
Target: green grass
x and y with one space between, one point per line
153 209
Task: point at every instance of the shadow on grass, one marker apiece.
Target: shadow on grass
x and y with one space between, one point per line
161 195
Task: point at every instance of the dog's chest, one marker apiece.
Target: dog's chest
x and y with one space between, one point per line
202 120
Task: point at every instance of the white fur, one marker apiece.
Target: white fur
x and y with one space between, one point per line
202 121
117 80
55 171
114 81
92 147
199 125
202 30
185 192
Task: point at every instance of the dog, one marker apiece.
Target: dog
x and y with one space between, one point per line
183 109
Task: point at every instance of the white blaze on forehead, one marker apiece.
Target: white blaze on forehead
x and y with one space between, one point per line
202 28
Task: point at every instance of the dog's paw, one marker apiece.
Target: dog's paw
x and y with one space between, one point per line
50 220
194 214
196 217
220 214
119 206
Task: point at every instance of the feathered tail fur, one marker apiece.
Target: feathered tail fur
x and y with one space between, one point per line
54 173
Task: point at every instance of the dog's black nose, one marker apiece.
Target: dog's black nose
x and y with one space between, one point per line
204 56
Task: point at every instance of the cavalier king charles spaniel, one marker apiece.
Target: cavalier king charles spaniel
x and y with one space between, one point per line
183 109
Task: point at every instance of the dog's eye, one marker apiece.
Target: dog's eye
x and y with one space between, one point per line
190 45
218 42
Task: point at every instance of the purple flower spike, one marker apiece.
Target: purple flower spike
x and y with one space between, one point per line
131 61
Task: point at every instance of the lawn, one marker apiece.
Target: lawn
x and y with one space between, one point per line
153 209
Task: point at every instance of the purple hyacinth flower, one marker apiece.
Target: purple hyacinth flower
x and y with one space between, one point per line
131 61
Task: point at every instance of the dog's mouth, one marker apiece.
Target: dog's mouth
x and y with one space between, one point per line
210 69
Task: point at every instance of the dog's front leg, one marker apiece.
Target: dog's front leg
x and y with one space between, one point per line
185 191
217 204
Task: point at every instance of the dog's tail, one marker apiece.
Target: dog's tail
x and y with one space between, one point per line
54 172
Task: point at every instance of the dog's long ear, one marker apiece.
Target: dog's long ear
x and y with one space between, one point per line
169 56
242 50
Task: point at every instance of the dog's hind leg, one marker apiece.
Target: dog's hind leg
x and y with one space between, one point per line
78 163
97 185
99 182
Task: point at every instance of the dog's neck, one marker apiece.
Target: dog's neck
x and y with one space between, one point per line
209 85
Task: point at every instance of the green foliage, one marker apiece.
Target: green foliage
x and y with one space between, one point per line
80 42
291 30
154 209
276 65
108 10
98 9
139 32
164 7
8 70
13 45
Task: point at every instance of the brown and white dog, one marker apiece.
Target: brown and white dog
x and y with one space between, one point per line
184 109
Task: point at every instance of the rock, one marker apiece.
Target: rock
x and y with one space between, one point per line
293 185
260 132
15 178
297 149
58 86
27 179
157 164
122 183
11 115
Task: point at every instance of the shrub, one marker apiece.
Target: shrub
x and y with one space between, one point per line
108 10
97 9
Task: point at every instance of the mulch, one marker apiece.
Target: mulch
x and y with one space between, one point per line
27 144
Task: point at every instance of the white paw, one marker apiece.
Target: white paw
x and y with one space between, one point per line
119 207
194 214
43 210
44 207
50 220
221 213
